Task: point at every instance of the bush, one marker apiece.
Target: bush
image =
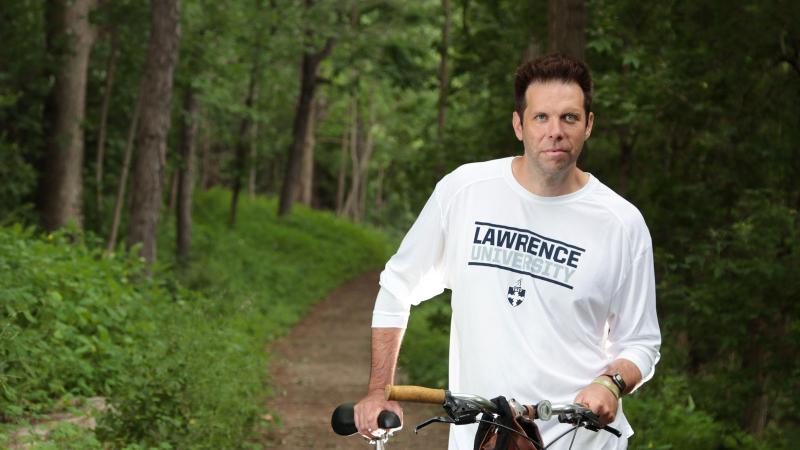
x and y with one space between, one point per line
65 321
180 367
424 356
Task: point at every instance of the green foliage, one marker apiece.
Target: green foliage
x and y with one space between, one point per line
18 183
180 368
740 286
665 416
425 353
66 319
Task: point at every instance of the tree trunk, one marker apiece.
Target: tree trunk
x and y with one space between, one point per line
625 160
444 74
348 207
151 138
70 37
308 85
101 135
379 189
251 178
306 179
362 144
342 179
306 191
567 27
205 159
755 416
183 212
173 190
243 145
123 177
363 172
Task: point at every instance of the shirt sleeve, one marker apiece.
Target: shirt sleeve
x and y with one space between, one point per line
634 332
415 273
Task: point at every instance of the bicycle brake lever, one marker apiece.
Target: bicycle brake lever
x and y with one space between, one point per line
438 419
613 431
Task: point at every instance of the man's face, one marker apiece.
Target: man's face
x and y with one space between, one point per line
553 127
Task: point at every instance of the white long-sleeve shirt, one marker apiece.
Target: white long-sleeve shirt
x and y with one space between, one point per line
546 291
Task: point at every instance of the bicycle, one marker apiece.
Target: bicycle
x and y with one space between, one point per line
463 409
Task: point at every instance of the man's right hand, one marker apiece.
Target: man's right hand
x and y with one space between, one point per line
367 410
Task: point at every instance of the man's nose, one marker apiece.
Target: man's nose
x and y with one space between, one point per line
554 130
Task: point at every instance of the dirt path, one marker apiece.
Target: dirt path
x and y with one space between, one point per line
323 362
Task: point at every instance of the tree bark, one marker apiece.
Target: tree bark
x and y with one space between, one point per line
101 135
627 144
755 362
151 138
205 160
306 191
251 178
342 179
348 206
70 37
308 85
123 177
444 73
567 27
183 212
379 189
243 145
173 190
362 145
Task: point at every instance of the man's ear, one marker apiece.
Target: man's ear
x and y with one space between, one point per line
516 122
589 125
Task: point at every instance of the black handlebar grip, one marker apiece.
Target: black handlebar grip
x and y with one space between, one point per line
344 424
388 420
342 420
613 431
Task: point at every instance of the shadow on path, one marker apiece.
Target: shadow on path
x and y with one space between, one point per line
323 362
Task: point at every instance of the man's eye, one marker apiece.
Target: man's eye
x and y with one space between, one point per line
540 117
571 118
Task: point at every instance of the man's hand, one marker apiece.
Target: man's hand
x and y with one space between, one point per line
600 400
367 410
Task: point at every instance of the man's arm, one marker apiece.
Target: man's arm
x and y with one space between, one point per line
385 350
600 399
634 334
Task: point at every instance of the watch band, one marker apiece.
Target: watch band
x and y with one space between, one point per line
618 381
608 385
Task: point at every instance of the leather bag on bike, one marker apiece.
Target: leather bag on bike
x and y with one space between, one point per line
491 436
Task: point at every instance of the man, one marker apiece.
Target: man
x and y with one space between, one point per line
551 272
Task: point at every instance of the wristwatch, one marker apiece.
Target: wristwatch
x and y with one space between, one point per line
618 381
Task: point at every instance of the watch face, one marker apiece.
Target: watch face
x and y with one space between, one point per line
618 381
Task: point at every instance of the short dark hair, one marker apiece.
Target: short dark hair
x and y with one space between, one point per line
554 67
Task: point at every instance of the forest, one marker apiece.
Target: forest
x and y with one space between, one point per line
171 171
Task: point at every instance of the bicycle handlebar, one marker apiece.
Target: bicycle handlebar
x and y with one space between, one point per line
343 421
416 394
462 408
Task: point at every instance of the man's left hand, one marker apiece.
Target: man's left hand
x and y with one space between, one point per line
600 400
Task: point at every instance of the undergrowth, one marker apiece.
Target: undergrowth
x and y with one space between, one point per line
180 358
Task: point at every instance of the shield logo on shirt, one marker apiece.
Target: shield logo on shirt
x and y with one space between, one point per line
516 294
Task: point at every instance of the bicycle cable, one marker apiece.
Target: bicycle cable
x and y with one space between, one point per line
506 428
575 429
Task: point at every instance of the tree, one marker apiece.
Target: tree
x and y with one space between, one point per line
70 37
151 137
444 70
186 171
567 27
243 141
309 68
